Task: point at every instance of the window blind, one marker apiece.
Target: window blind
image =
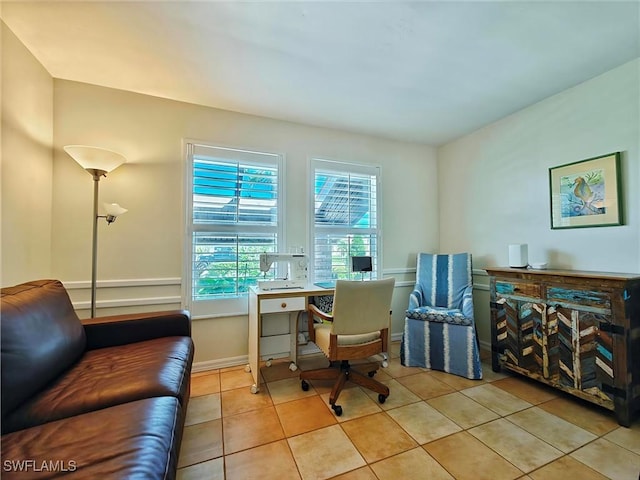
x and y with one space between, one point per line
234 216
346 220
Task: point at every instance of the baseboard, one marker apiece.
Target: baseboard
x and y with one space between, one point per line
308 349
219 363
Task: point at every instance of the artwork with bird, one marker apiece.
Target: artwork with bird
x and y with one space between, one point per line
583 194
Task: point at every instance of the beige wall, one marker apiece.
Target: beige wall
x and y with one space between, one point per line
485 190
147 242
495 186
26 167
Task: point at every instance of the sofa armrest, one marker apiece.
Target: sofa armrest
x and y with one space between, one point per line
130 328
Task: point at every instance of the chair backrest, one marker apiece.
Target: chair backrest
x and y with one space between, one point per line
362 307
444 278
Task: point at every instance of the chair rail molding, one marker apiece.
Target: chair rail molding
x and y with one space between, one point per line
124 301
123 283
123 292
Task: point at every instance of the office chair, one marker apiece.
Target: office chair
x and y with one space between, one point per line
358 328
439 327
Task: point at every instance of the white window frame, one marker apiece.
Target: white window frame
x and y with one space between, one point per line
347 168
232 305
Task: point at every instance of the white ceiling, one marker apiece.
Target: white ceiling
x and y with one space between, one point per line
427 71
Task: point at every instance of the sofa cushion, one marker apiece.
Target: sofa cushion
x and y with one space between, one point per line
41 337
134 440
110 376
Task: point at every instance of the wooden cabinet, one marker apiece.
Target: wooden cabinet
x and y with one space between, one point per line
577 331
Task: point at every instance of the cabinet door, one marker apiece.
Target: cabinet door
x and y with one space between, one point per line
520 317
584 353
521 333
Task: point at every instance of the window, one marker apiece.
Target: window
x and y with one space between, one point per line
233 215
346 218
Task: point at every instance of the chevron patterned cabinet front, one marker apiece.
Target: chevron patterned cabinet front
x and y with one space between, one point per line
577 331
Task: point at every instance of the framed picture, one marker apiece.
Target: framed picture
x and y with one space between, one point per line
586 193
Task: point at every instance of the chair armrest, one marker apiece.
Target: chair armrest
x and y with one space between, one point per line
467 302
130 328
312 313
316 312
416 298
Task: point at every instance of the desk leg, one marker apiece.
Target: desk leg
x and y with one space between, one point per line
293 340
254 342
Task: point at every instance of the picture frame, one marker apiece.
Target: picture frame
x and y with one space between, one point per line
586 193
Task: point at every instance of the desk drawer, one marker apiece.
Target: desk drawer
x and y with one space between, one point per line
286 304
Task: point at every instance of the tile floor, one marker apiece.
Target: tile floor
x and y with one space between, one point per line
433 425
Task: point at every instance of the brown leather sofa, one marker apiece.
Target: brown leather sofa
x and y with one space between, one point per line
99 398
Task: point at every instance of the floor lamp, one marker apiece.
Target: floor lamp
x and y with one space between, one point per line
98 162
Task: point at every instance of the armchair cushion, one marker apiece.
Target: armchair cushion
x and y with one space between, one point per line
439 314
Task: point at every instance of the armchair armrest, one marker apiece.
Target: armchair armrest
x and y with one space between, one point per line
467 302
130 328
416 298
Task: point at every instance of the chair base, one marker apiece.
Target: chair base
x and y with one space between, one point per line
342 372
447 347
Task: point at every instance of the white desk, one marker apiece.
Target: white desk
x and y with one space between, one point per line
276 301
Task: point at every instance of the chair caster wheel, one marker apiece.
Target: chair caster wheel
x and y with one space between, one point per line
293 367
337 409
385 360
247 368
382 398
268 362
371 374
254 388
305 385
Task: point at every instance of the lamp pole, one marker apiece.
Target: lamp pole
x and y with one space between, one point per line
94 250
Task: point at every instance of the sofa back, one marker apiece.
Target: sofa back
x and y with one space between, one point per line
41 336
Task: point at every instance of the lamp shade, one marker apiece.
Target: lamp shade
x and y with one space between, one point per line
95 158
114 209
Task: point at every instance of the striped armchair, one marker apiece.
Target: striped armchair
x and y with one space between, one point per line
439 328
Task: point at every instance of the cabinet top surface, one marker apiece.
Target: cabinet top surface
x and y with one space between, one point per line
524 272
